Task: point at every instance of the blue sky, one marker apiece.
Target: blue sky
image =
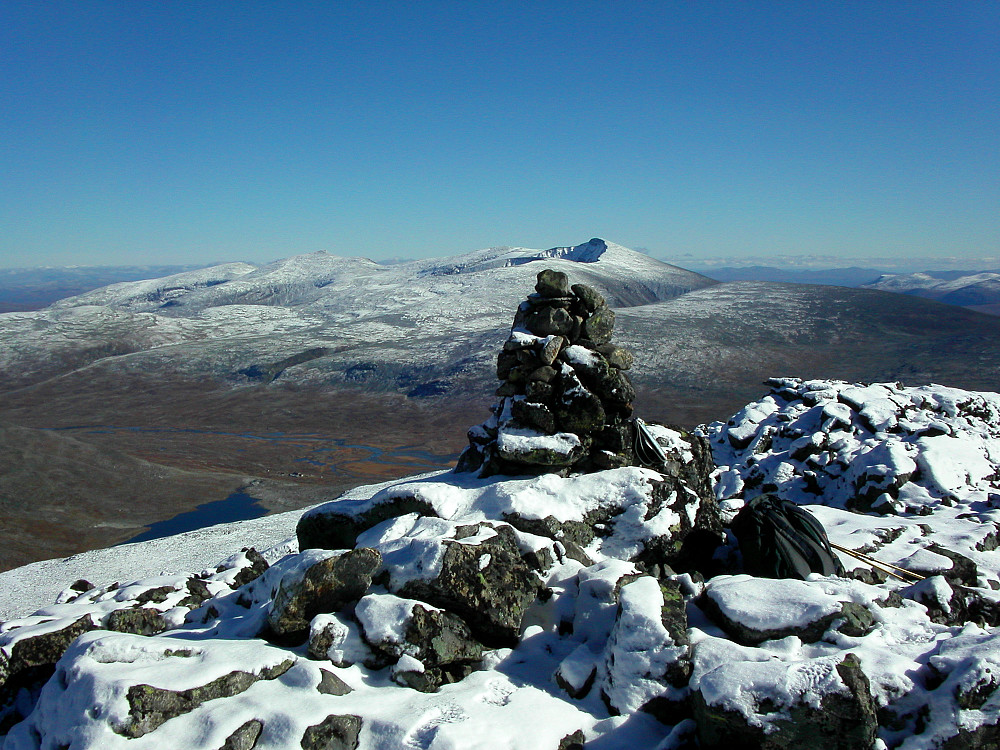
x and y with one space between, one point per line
170 132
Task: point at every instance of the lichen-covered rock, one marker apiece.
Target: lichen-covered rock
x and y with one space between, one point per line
136 620
257 566
242 568
38 647
572 741
330 684
335 732
600 326
245 737
487 584
325 583
822 704
198 592
552 284
325 529
949 603
151 706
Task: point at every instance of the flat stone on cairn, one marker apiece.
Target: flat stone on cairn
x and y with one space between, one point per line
565 399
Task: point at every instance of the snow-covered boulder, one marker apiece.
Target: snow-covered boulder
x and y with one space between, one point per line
322 582
754 610
429 646
473 570
646 655
741 700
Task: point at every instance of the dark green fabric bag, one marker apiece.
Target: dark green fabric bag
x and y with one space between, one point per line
778 539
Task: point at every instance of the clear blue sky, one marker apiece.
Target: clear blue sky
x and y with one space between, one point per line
181 132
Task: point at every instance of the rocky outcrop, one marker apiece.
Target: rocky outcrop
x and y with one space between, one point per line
565 396
29 656
527 602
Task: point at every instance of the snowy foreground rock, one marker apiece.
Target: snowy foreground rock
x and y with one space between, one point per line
456 611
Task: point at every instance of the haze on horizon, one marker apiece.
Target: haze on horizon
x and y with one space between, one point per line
171 134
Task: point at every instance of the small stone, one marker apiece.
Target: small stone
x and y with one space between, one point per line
528 358
589 297
550 321
550 349
600 326
616 356
253 571
544 374
572 741
534 415
335 732
330 684
536 390
552 284
198 592
506 361
580 411
244 738
507 389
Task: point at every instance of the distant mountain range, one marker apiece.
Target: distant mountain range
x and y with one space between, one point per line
196 369
976 290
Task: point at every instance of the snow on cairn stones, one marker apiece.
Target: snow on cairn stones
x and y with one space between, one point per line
565 399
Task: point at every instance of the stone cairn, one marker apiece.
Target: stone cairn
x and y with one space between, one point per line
565 399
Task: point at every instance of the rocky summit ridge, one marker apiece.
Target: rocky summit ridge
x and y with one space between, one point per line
571 604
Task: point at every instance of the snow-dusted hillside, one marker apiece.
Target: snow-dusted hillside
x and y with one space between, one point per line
431 328
971 289
220 321
610 651
362 288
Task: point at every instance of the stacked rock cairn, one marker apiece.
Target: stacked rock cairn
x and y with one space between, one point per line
565 398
